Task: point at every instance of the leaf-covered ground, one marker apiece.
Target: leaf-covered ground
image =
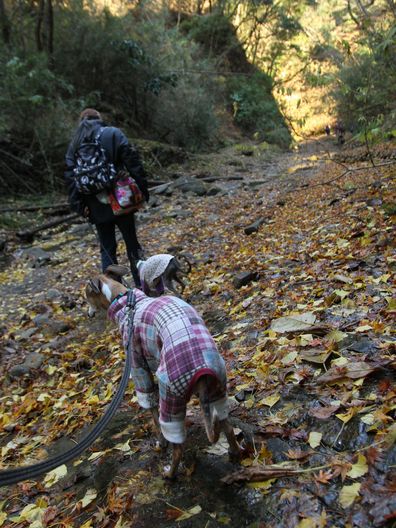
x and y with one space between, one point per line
308 341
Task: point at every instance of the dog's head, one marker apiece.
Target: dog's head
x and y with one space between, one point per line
101 290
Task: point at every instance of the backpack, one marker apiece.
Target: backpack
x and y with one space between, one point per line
93 172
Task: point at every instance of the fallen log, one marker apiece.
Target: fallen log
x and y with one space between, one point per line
33 208
211 179
28 235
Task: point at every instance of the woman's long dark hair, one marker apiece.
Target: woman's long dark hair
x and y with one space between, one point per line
83 132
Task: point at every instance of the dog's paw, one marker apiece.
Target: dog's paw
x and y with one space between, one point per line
161 445
238 454
168 472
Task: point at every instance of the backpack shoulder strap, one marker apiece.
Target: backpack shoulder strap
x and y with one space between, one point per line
100 132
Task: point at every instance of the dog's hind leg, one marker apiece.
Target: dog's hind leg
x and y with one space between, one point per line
177 453
235 450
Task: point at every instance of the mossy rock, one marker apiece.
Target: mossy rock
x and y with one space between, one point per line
160 154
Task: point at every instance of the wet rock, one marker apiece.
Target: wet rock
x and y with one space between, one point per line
53 294
18 371
178 213
37 256
105 473
162 189
278 449
81 229
51 326
360 344
26 334
191 185
244 278
240 396
41 320
256 183
34 360
373 202
252 228
214 190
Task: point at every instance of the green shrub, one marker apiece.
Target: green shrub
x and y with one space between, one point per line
365 95
255 109
185 114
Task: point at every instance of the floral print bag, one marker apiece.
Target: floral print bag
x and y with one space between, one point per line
126 195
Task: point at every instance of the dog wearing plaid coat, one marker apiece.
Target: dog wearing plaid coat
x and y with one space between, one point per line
170 341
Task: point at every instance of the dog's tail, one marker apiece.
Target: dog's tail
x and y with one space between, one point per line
211 422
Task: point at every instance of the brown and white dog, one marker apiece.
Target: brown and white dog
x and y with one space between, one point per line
171 341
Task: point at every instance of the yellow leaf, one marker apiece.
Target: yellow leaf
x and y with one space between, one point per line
125 448
359 469
263 485
88 497
53 476
341 293
289 358
348 494
368 419
335 336
304 339
96 455
43 397
339 362
3 517
270 400
310 522
87 524
347 416
314 439
249 403
93 399
189 513
31 513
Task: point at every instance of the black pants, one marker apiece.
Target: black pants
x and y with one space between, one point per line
108 242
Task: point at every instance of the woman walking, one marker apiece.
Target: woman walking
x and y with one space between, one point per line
96 207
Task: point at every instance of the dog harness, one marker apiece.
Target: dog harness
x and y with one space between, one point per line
170 341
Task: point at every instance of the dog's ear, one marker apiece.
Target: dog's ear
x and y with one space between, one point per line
95 285
114 271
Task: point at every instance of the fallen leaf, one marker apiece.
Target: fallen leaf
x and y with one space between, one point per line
323 413
220 447
189 513
348 494
89 496
345 417
270 400
52 477
359 469
314 439
324 477
315 355
294 323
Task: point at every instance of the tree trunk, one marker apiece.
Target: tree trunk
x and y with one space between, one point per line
5 24
39 23
49 28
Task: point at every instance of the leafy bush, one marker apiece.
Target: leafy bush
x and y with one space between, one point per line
185 115
255 109
365 94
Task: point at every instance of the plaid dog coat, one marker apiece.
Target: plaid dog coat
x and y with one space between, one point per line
171 341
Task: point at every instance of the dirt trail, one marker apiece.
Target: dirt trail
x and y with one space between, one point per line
41 290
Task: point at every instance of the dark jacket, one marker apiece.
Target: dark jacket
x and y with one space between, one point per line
123 155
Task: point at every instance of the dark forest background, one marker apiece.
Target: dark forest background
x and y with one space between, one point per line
195 75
